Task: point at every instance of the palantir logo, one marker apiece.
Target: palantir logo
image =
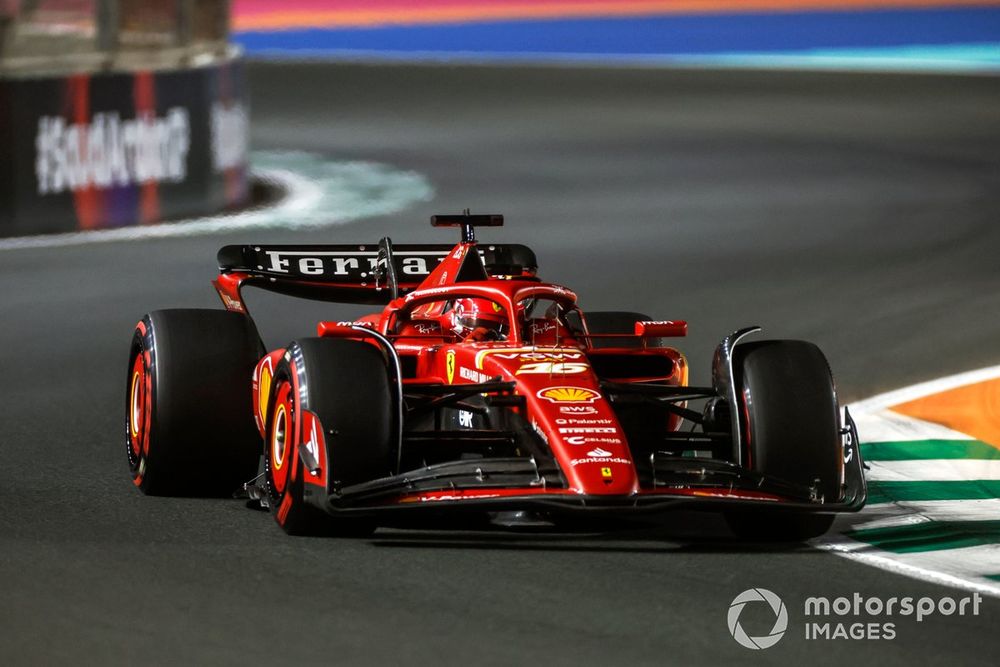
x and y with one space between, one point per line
780 618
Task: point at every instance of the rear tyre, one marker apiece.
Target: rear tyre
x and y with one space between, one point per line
189 426
346 385
791 432
617 322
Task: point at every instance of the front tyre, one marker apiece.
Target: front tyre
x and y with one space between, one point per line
791 423
283 473
342 388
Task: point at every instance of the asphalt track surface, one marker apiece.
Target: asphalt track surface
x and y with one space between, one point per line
858 211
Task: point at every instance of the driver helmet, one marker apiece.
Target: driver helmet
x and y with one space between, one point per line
468 314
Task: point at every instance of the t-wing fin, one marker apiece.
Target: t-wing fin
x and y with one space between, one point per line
468 223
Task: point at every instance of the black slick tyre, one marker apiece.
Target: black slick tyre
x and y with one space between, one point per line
189 426
791 432
346 385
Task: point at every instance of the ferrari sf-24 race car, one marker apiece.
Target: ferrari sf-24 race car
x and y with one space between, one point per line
477 388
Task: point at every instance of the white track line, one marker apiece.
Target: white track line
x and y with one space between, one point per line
888 64
913 392
934 470
884 426
910 512
301 194
923 571
318 192
958 568
969 561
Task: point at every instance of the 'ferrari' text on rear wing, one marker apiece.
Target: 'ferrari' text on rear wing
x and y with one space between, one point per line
356 264
351 273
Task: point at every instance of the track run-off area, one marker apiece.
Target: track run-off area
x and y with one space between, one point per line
934 483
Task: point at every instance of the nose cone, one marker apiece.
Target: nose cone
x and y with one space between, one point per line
585 437
566 408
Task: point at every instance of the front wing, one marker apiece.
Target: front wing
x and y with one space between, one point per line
526 484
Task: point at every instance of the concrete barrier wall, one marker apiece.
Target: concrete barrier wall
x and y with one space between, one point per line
91 151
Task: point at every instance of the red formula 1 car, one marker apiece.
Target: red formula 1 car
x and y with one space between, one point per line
478 387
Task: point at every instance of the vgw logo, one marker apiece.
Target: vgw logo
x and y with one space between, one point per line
780 618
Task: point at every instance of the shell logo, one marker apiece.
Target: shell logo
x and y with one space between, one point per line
569 395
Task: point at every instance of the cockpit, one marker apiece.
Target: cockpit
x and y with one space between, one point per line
538 320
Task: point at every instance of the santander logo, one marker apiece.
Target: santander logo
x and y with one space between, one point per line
599 453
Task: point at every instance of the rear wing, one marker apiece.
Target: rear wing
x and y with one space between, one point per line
354 273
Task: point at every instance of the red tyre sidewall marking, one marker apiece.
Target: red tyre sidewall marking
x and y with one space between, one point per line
288 392
137 406
282 417
141 366
148 409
